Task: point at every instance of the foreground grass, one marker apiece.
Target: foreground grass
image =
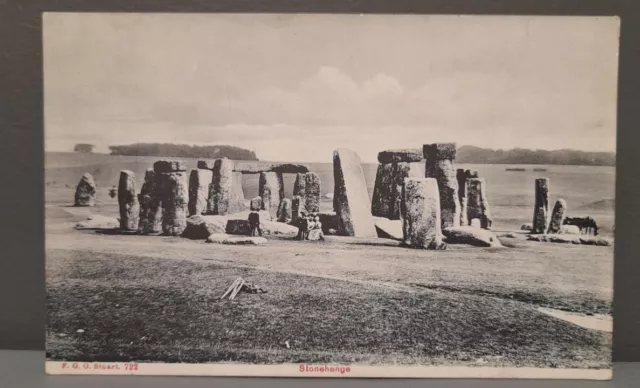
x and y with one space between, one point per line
135 308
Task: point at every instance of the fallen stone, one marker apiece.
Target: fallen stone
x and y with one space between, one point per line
128 201
471 236
236 240
569 229
175 197
165 166
200 227
351 198
387 228
150 204
199 182
421 214
400 156
247 167
596 240
242 227
96 221
85 191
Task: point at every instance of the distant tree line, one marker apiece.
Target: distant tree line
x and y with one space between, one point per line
183 151
84 147
471 154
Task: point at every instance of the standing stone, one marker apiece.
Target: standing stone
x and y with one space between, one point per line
175 196
384 190
421 224
284 210
128 201
237 196
557 217
402 171
299 185
477 203
297 207
150 205
199 183
351 197
85 191
271 189
439 165
462 176
541 208
312 192
256 204
223 191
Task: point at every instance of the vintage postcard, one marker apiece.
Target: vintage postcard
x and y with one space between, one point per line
330 195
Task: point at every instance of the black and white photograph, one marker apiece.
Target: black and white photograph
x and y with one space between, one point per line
330 195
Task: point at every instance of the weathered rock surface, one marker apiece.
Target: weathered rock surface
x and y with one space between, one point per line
439 165
96 221
572 239
85 191
248 167
271 189
402 171
164 166
421 214
200 227
223 192
351 199
284 210
557 217
478 204
128 201
569 229
384 191
312 192
387 228
199 182
471 236
400 156
297 207
299 185
462 176
175 197
221 238
541 208
150 204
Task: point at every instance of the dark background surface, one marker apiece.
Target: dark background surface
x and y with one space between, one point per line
22 295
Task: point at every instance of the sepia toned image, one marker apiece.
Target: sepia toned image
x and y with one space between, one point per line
326 195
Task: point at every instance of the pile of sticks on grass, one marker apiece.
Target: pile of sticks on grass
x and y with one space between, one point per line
239 285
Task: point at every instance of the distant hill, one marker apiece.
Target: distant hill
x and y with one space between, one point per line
183 151
477 155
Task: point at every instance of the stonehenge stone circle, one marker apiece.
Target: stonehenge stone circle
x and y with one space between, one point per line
199 182
284 210
439 165
312 192
478 204
351 198
150 204
541 207
128 201
224 197
85 191
174 194
421 224
557 217
255 204
271 189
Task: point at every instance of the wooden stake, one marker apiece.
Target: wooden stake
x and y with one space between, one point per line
237 290
231 287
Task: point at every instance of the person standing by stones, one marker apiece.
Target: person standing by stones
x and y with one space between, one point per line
302 225
254 224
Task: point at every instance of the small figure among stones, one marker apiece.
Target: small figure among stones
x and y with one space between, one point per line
113 191
310 227
254 224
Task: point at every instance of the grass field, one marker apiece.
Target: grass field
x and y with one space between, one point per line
345 300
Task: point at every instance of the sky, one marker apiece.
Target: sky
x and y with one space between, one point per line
295 87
